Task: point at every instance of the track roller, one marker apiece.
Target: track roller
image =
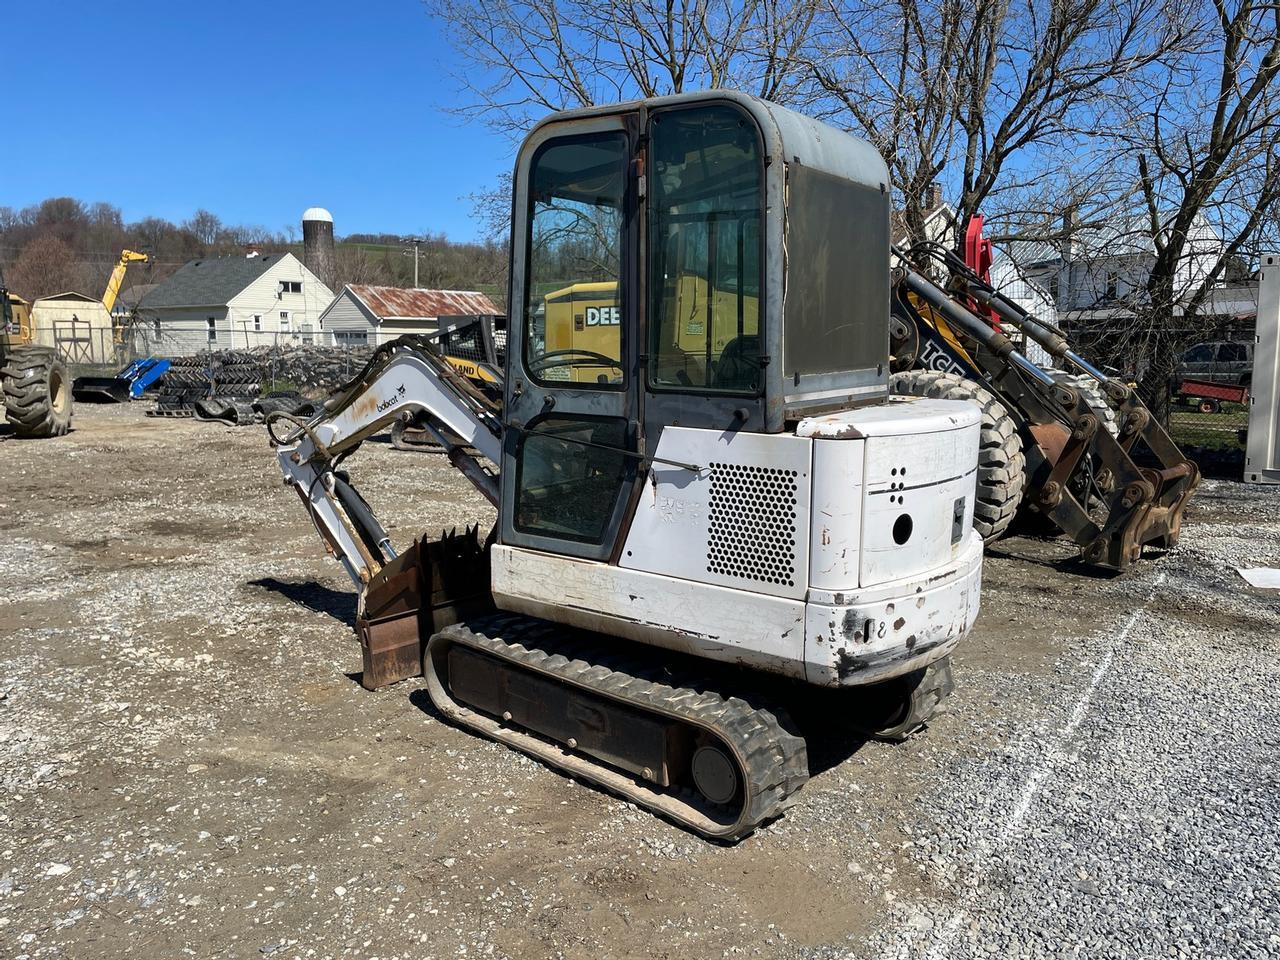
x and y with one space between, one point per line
717 765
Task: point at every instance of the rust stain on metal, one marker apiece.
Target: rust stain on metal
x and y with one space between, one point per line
396 303
365 406
1052 438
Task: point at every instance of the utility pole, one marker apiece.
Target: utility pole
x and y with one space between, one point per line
415 241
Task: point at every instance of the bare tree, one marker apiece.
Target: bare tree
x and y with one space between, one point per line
1205 156
987 97
205 226
355 265
46 266
153 232
526 58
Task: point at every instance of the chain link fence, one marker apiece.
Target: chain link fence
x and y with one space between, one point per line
1208 414
1210 424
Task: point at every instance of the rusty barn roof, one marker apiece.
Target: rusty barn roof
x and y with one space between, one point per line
392 303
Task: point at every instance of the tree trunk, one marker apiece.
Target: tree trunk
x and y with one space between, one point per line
1156 383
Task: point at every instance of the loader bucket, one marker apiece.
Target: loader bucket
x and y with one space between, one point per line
433 584
100 390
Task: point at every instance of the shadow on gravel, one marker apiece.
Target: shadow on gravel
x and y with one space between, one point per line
422 700
828 749
1039 551
338 604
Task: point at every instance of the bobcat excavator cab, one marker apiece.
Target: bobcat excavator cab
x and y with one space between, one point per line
715 488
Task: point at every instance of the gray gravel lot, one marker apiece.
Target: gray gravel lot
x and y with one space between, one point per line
188 768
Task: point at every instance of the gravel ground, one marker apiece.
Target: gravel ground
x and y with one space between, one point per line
1135 812
189 768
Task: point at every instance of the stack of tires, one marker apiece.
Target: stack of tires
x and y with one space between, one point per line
237 375
186 381
231 376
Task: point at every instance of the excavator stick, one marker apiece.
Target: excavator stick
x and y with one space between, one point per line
1112 493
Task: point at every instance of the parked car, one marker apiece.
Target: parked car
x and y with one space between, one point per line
1224 361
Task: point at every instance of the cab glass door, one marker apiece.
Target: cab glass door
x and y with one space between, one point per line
570 461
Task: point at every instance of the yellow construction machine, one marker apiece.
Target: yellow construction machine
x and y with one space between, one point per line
36 385
114 282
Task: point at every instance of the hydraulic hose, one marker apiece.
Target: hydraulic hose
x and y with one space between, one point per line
958 316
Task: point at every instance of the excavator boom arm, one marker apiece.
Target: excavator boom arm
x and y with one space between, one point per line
116 280
403 378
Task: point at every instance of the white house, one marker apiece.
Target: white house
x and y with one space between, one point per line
939 222
234 303
1102 268
363 314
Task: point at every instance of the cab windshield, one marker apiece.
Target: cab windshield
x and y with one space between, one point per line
704 241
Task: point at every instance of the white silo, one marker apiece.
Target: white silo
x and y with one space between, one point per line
317 243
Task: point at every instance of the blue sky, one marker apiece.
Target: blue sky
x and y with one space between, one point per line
252 110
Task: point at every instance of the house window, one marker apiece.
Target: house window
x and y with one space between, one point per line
1112 284
1053 287
212 328
284 319
290 286
156 326
257 323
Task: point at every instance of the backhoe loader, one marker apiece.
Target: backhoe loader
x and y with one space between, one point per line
1068 443
699 508
35 384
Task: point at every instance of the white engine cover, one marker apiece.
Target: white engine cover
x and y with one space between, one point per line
842 554
893 490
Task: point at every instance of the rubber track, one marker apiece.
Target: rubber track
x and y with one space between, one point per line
776 761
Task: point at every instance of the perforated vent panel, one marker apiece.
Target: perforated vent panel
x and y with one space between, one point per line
751 524
741 523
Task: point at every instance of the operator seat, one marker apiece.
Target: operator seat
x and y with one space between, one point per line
739 364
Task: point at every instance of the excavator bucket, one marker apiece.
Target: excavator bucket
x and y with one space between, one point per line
433 584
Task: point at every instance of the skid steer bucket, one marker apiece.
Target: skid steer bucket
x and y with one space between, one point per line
126 385
432 585
100 390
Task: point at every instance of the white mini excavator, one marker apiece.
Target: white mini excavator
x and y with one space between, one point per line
700 476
